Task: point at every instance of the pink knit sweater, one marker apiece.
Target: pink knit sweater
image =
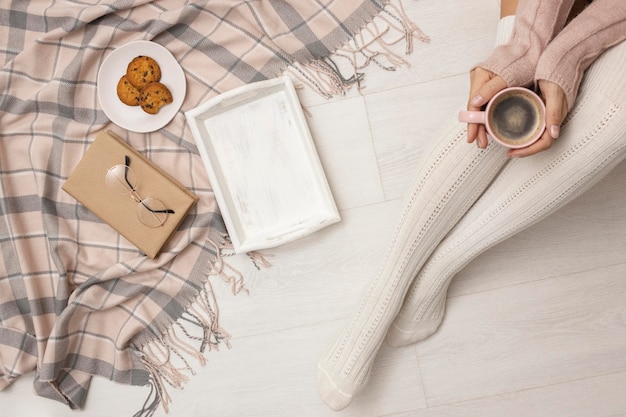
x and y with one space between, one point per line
543 48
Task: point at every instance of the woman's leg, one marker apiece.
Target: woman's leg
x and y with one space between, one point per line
592 142
451 177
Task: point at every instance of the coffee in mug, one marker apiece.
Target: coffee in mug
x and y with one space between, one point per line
514 117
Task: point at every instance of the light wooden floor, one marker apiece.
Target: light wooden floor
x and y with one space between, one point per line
536 326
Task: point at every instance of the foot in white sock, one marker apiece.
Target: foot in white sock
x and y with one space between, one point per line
336 393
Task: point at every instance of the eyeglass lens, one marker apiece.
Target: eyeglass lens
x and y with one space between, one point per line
122 180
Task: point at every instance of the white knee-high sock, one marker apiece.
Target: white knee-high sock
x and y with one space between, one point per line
448 183
592 142
449 180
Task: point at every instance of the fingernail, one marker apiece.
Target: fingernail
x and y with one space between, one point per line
477 100
554 131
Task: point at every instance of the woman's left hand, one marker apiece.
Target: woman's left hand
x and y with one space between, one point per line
556 110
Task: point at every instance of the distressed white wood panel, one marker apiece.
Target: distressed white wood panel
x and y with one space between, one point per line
263 164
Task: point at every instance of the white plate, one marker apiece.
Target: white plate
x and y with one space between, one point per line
132 117
262 163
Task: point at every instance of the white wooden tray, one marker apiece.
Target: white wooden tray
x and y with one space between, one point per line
262 163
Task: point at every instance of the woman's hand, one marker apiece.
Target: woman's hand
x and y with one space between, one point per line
556 110
484 84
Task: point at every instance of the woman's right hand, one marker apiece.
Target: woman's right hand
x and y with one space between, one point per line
484 84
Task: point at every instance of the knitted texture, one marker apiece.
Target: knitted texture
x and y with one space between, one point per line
536 24
449 180
592 142
600 26
505 30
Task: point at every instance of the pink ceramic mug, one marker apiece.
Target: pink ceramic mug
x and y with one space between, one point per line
515 117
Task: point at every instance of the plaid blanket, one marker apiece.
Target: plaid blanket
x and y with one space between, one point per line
76 299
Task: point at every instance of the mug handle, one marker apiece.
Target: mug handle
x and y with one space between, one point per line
466 116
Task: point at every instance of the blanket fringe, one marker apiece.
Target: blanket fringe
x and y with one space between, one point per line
165 356
374 44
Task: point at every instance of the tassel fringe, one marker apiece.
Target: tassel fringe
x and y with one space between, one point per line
374 44
193 334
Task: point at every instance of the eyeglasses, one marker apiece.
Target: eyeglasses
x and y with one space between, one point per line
122 180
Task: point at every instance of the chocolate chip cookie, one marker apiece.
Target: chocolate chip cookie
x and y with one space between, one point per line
128 93
154 96
143 70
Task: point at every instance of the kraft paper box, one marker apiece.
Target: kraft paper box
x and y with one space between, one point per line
87 184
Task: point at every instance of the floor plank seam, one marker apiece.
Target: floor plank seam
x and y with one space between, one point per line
518 391
532 281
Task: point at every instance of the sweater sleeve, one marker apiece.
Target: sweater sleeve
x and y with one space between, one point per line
536 24
600 26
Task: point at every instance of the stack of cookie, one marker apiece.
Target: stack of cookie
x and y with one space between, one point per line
141 85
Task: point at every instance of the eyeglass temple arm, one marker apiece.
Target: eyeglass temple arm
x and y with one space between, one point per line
126 166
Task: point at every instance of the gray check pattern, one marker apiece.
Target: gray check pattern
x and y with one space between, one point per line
76 299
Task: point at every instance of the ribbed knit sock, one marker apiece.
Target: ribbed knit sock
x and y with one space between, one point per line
505 30
503 35
448 182
592 142
450 178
